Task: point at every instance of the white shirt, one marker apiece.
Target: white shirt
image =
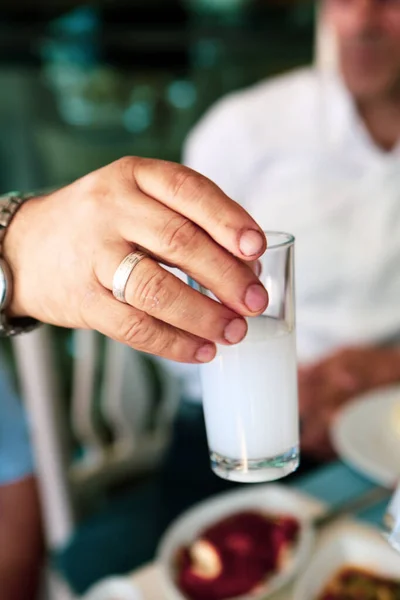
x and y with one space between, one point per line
295 154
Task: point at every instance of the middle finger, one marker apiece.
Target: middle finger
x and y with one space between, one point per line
177 240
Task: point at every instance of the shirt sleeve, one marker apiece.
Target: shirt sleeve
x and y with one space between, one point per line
16 460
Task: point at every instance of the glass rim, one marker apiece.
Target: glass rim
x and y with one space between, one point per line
287 239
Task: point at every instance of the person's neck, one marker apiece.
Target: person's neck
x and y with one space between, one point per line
381 117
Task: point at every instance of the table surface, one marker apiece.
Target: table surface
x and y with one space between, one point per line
332 485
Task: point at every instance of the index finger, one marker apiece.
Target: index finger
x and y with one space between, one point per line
204 203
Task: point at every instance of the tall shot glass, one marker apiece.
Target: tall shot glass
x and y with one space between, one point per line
250 394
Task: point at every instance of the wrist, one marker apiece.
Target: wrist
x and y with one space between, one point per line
12 251
14 318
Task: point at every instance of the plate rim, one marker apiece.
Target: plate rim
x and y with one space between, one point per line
315 507
345 449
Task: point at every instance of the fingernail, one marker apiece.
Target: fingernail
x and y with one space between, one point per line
251 242
235 331
206 353
256 298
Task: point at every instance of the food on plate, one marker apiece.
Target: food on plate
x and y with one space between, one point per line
353 583
236 555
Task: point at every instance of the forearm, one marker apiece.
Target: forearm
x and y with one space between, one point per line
21 540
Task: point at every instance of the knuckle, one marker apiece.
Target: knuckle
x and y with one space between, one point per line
189 185
91 187
100 189
150 290
164 344
94 191
179 233
125 163
101 183
136 331
177 346
141 332
229 268
125 168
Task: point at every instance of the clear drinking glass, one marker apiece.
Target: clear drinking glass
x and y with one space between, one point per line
250 395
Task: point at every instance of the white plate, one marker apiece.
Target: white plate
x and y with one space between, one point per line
271 498
366 434
349 544
114 588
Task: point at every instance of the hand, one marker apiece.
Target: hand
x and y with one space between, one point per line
329 384
64 248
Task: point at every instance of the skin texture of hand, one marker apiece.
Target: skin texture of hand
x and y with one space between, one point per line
326 386
64 248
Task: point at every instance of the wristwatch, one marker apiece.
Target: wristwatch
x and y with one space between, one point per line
9 205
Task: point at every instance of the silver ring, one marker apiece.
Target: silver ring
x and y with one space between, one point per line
123 273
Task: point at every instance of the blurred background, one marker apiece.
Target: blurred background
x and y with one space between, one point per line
82 84
118 438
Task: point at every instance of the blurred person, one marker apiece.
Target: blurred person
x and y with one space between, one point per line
316 152
21 540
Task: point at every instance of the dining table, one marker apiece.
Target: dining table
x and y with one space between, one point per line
329 486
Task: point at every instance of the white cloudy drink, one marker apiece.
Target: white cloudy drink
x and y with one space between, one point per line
250 400
250 393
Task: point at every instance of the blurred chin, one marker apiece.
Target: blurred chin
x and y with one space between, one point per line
367 86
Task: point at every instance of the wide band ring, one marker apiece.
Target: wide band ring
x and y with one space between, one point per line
123 272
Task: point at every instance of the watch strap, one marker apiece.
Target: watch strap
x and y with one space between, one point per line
9 205
10 326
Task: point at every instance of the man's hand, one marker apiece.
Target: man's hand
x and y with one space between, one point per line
64 248
329 384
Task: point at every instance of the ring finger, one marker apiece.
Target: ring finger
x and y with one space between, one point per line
157 292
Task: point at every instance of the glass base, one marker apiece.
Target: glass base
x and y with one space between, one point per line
255 471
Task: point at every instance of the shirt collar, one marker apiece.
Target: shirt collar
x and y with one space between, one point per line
344 125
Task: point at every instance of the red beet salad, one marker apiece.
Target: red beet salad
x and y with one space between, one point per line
235 556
